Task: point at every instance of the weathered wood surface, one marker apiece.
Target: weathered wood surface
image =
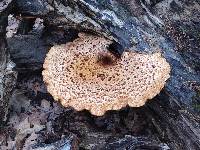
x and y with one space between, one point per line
171 27
7 75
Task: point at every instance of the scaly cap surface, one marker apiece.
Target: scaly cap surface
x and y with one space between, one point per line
83 74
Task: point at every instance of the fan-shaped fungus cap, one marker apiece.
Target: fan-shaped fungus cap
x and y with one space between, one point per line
85 75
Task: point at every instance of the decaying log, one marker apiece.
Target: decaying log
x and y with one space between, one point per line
171 27
149 32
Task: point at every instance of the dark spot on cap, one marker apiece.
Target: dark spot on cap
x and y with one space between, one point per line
105 60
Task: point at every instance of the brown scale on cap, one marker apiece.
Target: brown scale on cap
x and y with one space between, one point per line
85 75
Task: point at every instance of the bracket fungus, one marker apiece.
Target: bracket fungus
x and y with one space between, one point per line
83 74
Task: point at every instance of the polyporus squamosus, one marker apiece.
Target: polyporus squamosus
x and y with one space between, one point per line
85 75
